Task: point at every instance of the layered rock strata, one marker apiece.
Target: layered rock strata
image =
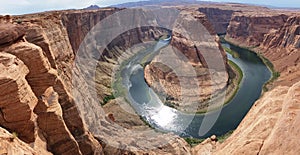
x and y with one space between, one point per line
219 18
200 53
266 127
270 125
16 97
36 57
43 47
10 144
249 28
44 50
219 15
272 34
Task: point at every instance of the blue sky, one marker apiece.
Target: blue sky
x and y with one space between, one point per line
30 6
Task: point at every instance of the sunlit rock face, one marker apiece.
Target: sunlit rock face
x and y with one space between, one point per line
37 53
41 43
10 144
46 45
249 28
16 97
193 68
282 48
270 127
275 35
219 15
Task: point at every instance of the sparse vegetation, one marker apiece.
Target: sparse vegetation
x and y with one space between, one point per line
222 138
239 71
193 141
146 122
170 104
19 21
275 74
107 99
268 63
231 52
165 36
13 136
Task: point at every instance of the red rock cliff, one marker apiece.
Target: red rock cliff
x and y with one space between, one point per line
270 127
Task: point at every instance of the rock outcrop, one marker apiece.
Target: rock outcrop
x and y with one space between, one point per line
219 15
16 97
273 34
249 28
44 46
46 51
37 53
12 145
270 127
201 54
219 18
10 33
282 48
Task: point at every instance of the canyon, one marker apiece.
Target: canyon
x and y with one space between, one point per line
203 53
37 57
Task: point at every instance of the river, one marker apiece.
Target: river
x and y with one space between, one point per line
166 119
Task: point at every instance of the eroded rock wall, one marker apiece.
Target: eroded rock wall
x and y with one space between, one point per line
41 43
37 54
17 99
270 126
249 28
200 51
11 145
218 17
273 34
79 23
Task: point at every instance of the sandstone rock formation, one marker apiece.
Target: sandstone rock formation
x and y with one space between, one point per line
16 97
10 33
282 48
37 53
42 46
218 18
249 28
219 15
11 145
41 52
270 127
273 34
201 52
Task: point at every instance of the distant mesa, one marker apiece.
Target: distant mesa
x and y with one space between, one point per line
92 7
159 2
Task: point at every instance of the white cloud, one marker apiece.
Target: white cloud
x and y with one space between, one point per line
31 6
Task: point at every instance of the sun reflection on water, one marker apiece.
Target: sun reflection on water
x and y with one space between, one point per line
164 116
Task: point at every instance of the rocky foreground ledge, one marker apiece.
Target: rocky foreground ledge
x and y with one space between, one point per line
36 56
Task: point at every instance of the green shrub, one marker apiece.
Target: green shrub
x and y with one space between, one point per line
19 21
193 141
107 99
222 138
231 52
276 75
